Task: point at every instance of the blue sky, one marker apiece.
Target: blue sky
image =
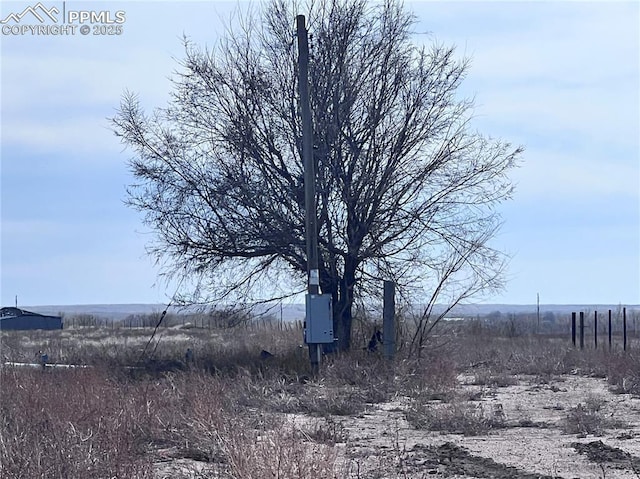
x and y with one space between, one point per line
560 78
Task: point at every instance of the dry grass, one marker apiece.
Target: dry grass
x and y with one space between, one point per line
457 417
588 417
90 423
226 412
73 424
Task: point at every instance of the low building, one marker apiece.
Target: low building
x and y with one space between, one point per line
19 319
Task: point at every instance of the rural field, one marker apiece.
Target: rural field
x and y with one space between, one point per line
480 400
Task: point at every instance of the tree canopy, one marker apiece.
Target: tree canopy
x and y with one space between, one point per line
406 189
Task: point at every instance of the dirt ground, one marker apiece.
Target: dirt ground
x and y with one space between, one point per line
531 444
539 434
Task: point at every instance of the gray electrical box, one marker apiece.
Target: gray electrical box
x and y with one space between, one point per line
319 321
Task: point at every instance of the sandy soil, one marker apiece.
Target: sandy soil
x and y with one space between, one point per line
532 441
541 449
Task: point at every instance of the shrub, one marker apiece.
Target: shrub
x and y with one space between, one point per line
582 420
456 417
71 425
588 418
326 431
623 372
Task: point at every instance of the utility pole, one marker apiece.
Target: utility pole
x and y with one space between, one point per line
311 228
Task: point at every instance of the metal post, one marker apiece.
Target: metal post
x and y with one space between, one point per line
389 320
624 328
595 329
538 312
311 235
609 330
573 328
581 329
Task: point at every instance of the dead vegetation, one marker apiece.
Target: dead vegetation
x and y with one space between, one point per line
230 411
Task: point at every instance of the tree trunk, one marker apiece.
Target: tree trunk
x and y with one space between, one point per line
342 308
342 320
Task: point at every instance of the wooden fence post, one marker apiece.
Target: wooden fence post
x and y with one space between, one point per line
595 329
389 320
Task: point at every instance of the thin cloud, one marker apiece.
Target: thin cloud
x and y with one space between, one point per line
551 175
560 78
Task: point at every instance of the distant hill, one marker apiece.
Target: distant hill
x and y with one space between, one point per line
471 310
288 312
292 312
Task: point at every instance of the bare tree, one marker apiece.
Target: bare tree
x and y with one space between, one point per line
405 189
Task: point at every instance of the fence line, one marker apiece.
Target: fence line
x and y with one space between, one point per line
184 322
610 329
